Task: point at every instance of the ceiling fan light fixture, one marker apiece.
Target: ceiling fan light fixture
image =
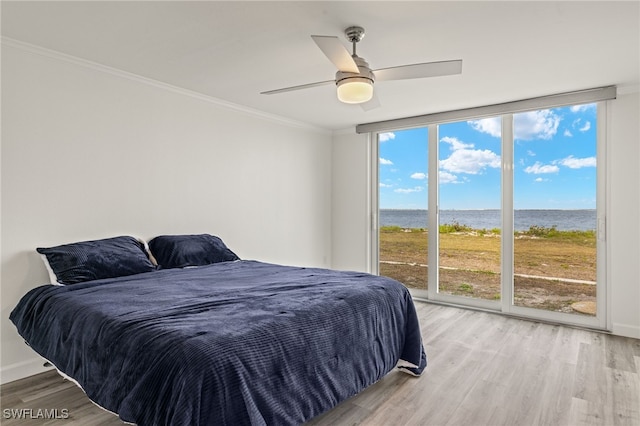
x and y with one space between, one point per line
355 90
354 78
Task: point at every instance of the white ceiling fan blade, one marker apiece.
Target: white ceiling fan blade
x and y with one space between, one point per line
302 86
428 69
373 103
336 52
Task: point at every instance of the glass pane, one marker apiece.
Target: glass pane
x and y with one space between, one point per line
402 175
554 209
469 199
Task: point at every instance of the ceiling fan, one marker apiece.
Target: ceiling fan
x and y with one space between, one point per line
354 79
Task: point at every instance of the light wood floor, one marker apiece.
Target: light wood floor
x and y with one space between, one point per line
484 369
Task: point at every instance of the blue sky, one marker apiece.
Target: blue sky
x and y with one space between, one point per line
554 162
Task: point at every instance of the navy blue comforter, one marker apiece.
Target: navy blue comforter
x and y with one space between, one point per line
230 343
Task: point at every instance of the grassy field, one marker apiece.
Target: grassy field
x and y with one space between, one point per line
470 263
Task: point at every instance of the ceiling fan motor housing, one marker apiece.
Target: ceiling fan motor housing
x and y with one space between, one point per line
354 34
363 66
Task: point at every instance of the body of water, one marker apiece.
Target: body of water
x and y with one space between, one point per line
563 220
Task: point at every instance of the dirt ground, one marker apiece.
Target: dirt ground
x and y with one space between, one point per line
470 267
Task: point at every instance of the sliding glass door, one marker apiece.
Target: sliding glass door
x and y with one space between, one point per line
469 192
503 212
555 194
402 189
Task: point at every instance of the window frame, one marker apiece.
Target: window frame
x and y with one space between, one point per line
506 306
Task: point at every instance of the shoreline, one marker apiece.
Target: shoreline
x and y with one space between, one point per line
456 228
562 219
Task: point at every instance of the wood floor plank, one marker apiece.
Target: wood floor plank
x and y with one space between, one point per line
554 409
590 355
580 414
620 359
346 413
624 387
484 369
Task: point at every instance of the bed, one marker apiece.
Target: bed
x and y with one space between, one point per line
226 342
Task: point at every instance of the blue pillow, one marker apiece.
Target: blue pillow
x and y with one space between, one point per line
179 251
93 260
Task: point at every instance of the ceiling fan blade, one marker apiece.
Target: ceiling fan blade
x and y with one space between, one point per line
428 69
371 104
336 52
302 86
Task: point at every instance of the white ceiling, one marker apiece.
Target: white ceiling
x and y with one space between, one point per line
234 50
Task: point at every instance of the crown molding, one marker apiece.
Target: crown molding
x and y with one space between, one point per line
57 55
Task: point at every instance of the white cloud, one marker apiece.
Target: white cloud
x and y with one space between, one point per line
531 153
538 168
466 160
492 126
583 127
419 175
542 124
578 163
541 180
446 177
385 162
584 107
456 143
586 127
471 161
385 185
568 133
383 137
408 190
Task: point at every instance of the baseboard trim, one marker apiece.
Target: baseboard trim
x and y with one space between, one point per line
23 369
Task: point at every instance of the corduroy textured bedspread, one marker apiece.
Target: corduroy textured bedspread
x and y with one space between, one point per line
230 343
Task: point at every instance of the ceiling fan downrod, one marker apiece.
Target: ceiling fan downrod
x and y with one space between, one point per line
354 35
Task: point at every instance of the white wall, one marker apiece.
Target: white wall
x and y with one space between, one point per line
350 185
623 152
90 153
350 231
